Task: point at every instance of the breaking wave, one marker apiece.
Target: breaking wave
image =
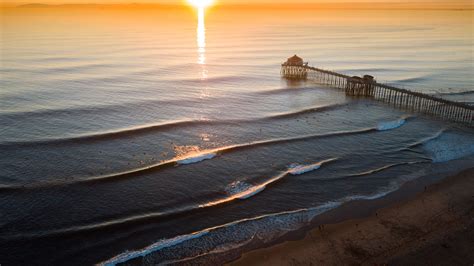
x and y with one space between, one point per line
197 158
266 229
235 191
193 158
224 238
382 126
244 190
209 154
297 169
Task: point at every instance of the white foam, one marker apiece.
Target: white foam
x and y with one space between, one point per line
382 126
449 146
266 228
197 158
251 192
302 169
243 190
129 255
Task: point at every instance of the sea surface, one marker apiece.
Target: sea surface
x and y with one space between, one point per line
131 131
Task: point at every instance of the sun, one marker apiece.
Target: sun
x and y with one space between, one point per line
201 3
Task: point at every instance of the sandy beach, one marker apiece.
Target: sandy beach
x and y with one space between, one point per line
433 228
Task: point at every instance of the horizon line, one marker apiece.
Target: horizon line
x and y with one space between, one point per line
326 5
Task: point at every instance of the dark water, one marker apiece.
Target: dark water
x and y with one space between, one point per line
134 131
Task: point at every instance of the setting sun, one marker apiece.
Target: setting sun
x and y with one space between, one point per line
201 3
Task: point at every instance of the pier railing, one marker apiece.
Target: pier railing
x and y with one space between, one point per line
401 98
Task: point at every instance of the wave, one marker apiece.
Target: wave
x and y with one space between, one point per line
382 126
285 90
471 103
227 237
161 126
221 250
236 191
216 80
309 110
223 238
366 70
243 190
190 158
449 146
197 157
108 135
454 93
422 141
54 112
415 79
302 169
385 167
228 233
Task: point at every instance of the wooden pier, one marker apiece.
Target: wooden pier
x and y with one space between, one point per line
368 87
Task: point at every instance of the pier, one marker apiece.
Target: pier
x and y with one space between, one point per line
368 87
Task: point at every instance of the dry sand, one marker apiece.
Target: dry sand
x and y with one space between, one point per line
434 228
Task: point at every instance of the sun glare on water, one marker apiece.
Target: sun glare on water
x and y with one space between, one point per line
201 3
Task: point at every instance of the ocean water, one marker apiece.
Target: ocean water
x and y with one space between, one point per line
131 132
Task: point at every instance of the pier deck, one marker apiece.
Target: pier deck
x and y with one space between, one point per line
368 87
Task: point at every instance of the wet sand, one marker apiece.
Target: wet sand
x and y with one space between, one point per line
434 227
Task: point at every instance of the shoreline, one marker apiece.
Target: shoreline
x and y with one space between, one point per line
358 209
387 229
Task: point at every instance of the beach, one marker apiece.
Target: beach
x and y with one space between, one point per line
434 228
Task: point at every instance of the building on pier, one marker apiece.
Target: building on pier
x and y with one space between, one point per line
294 61
294 68
357 86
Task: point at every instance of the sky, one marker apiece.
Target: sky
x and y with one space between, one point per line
384 4
466 2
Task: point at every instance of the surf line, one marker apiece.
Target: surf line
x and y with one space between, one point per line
251 191
198 157
144 129
185 160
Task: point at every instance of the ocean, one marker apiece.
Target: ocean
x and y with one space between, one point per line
161 132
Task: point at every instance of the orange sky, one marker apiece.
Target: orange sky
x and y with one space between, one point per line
361 4
466 2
